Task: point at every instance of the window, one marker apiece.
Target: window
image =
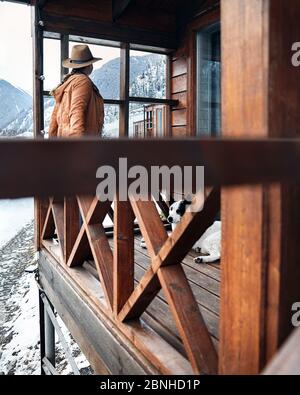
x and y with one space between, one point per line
147 75
106 73
149 118
51 63
209 81
142 85
111 121
159 122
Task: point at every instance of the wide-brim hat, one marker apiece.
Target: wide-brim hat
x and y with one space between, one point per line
81 56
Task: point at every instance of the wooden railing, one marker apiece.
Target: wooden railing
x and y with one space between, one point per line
68 167
116 267
48 168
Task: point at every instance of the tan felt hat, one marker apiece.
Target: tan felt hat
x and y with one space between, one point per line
81 56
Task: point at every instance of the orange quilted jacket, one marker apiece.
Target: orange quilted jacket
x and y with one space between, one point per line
79 109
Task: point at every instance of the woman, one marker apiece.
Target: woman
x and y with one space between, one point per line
79 108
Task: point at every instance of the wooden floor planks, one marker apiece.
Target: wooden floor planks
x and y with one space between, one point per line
205 283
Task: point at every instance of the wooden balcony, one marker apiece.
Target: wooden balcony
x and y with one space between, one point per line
154 311
159 299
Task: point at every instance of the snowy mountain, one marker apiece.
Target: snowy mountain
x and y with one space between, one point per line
14 103
23 124
147 79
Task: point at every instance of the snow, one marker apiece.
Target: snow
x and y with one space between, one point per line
19 313
14 214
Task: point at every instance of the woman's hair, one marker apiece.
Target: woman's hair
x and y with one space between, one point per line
73 72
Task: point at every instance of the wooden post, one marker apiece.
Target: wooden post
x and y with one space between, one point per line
123 261
38 83
168 124
260 224
42 330
38 109
124 90
71 225
64 53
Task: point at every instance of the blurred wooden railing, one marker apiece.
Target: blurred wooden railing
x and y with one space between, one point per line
68 167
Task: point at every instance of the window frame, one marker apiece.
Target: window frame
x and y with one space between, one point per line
209 30
125 99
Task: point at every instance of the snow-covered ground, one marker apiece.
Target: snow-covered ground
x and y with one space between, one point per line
14 214
19 320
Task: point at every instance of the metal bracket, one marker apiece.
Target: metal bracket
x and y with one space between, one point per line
47 366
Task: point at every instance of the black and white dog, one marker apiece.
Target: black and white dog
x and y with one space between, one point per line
209 243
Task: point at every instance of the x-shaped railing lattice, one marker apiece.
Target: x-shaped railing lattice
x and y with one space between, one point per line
116 268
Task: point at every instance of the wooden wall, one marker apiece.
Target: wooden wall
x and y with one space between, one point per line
183 74
179 78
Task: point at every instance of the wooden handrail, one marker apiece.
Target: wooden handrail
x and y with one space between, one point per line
68 167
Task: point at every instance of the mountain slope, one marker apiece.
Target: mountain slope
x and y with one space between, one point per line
147 77
13 101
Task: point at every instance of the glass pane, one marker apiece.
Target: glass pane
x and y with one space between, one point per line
111 118
209 82
106 74
16 110
147 75
51 63
111 121
49 103
147 120
15 70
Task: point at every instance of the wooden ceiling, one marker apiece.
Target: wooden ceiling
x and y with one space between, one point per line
155 23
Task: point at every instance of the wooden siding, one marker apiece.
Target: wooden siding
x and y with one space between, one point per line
183 74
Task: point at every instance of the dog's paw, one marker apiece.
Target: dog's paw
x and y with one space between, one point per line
197 249
198 259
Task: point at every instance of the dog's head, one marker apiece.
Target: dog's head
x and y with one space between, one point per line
177 210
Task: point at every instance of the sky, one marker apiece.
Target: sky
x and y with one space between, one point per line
16 49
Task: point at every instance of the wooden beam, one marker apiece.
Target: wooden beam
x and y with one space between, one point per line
38 106
188 231
119 7
137 348
58 215
124 90
38 71
98 243
109 31
123 256
71 225
226 162
259 223
166 250
40 3
64 53
69 302
189 321
81 250
149 100
48 228
150 224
